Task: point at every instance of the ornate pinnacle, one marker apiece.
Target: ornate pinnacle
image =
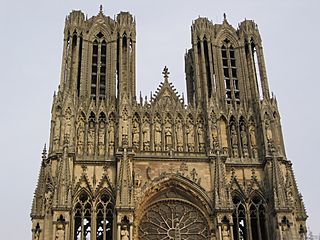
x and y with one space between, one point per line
165 73
44 152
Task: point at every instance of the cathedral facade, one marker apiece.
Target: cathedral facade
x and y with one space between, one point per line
124 167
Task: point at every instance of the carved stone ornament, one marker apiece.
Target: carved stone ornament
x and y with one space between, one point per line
173 219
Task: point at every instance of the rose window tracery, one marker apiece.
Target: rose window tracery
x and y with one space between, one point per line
173 220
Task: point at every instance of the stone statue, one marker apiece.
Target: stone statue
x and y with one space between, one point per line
135 134
91 138
190 137
60 232
80 142
214 135
243 135
234 137
179 136
157 138
234 141
168 136
67 125
252 136
101 139
225 233
125 233
146 136
56 134
201 137
268 131
111 137
125 123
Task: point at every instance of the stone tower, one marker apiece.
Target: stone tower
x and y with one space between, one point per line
124 168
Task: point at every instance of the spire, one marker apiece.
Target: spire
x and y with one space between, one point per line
165 73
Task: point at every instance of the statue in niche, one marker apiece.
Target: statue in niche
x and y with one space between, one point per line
168 136
125 123
252 136
146 136
90 142
56 134
244 140
225 232
190 137
80 137
135 134
101 138
48 199
179 136
111 137
234 141
125 233
67 126
268 131
201 137
157 138
214 135
60 232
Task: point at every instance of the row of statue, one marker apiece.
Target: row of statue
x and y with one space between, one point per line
99 137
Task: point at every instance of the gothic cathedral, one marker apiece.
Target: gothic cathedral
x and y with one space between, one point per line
124 167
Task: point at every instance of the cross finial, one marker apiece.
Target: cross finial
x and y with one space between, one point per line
165 73
101 9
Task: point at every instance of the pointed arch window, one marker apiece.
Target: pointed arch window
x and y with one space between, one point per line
99 67
230 72
249 219
104 217
82 217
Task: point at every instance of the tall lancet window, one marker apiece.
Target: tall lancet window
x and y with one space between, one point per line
104 217
99 67
82 217
230 72
94 69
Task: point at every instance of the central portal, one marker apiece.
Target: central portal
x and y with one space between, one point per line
173 219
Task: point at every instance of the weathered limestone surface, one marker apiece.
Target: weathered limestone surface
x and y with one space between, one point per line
124 167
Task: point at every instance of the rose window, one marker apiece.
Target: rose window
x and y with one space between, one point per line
173 220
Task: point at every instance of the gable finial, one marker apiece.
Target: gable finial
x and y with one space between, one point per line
224 17
165 73
101 9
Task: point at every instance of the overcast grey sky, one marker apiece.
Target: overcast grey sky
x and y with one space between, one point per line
30 62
